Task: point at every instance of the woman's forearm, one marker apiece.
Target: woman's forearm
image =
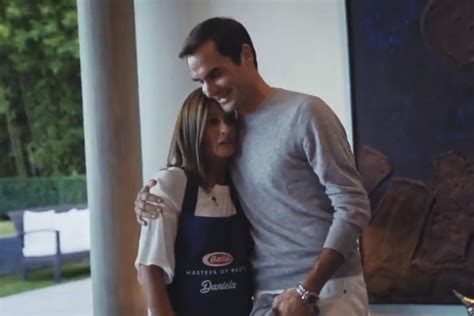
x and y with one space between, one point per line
156 295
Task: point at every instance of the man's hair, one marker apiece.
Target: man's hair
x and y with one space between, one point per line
186 146
227 34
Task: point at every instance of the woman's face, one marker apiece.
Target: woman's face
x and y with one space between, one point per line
219 133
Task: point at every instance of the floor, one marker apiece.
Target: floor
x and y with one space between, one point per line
75 299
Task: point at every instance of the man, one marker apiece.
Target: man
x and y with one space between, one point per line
295 177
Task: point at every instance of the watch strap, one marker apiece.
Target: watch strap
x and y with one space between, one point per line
306 296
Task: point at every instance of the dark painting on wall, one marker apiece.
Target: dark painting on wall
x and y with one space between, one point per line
412 78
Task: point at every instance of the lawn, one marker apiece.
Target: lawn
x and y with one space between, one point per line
6 228
42 278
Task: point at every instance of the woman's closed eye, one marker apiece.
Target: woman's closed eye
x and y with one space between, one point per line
213 120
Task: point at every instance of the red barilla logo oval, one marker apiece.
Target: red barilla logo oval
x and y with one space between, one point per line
217 259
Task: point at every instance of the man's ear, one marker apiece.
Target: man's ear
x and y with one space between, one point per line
246 55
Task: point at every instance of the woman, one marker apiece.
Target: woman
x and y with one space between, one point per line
199 245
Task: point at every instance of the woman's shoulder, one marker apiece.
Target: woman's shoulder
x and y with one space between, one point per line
171 183
171 175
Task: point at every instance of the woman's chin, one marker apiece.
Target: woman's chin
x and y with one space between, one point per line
224 154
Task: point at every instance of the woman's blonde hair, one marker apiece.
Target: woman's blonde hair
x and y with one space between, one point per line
186 146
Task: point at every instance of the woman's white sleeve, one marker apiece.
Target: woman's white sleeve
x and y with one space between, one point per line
157 238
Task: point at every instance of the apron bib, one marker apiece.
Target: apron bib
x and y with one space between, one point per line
212 273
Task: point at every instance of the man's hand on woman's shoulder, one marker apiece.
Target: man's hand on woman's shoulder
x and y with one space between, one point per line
147 205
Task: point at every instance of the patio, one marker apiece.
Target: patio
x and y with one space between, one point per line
72 299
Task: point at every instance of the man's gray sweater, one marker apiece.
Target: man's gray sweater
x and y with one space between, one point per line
298 185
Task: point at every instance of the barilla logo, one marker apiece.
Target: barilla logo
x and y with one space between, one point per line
217 259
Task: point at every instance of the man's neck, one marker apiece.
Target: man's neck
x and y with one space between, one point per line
261 91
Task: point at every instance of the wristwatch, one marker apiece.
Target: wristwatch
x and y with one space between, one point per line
308 298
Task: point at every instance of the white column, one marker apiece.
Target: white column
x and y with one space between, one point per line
162 26
113 156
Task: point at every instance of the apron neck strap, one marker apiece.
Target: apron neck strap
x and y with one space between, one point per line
234 196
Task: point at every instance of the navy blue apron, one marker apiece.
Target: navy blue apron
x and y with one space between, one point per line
212 273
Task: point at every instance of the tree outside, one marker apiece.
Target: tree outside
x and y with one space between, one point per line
40 94
41 129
